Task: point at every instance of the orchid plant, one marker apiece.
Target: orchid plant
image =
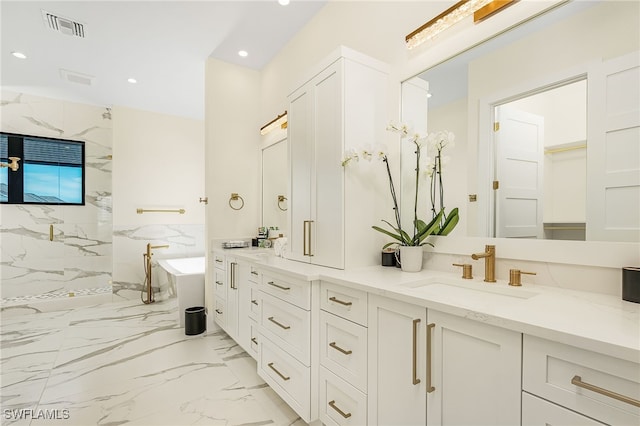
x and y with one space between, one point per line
420 230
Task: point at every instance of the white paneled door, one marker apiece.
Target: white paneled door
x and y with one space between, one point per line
613 151
519 174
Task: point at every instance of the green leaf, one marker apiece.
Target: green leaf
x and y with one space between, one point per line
384 231
429 229
450 223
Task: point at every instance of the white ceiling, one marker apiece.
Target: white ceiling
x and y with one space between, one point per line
162 44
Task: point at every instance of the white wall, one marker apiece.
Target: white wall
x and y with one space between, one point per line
158 163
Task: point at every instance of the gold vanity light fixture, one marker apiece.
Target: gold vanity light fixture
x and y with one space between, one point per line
481 9
278 122
12 164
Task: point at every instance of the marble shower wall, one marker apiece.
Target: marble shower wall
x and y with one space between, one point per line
79 259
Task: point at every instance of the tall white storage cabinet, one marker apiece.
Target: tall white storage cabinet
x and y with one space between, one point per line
341 106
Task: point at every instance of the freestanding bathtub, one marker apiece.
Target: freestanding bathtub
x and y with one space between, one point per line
187 275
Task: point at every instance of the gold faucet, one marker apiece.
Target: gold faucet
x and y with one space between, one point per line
489 256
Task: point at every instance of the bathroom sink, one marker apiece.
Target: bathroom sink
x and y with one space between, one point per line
460 286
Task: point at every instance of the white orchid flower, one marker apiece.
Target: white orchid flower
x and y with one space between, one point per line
367 153
349 156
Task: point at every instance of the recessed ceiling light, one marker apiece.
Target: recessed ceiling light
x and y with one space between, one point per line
19 55
283 2
243 53
132 80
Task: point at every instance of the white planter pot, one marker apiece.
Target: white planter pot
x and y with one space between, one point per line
411 258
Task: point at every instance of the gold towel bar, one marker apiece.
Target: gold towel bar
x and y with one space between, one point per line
140 211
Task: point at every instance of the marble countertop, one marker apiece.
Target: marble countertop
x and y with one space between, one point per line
593 321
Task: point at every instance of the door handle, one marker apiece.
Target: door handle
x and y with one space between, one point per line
430 387
414 364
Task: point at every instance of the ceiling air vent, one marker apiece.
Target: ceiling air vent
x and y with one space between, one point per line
76 77
63 25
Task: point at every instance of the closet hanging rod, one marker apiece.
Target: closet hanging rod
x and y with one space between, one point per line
568 148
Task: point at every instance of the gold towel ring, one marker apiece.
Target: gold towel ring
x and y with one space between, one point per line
236 197
281 198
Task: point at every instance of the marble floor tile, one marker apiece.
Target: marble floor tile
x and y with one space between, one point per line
126 362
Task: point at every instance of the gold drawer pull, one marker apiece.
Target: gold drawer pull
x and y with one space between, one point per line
218 261
430 387
219 282
577 381
277 372
255 302
271 283
254 273
254 340
339 349
50 232
218 311
333 299
286 327
414 365
332 404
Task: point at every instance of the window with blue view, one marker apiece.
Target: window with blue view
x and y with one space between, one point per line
52 171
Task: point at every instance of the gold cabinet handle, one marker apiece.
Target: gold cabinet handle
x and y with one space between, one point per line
306 238
218 311
271 283
254 272
255 302
232 284
332 404
50 232
414 365
339 349
218 261
219 282
577 381
284 327
333 299
282 376
254 340
430 387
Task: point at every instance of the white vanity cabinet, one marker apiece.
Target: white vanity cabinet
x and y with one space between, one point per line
577 382
431 368
219 289
343 355
397 375
250 312
232 290
341 106
287 355
475 372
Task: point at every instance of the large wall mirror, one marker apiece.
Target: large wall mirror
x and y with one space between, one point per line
563 162
274 186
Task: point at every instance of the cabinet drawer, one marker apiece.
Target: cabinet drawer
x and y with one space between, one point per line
344 302
254 302
550 367
253 336
287 325
343 349
286 375
297 292
254 274
340 403
218 261
219 312
220 283
538 412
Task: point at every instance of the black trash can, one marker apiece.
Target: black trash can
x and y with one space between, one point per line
195 320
